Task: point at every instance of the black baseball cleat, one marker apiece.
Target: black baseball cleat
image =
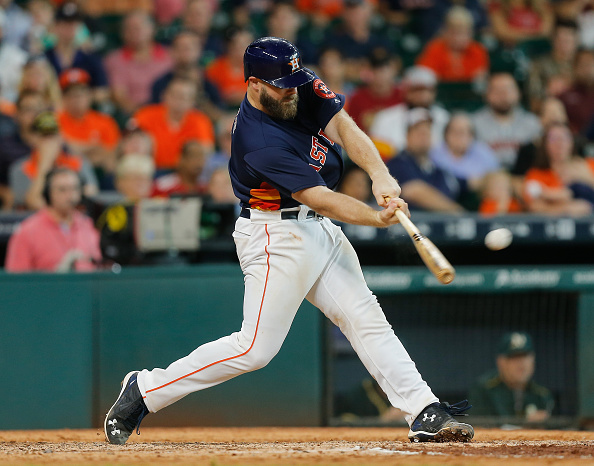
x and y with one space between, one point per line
126 413
436 423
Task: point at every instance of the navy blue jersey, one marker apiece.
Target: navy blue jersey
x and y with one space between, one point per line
89 62
272 159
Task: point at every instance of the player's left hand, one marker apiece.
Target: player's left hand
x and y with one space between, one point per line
384 188
388 216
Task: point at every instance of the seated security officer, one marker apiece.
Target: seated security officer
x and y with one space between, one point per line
510 391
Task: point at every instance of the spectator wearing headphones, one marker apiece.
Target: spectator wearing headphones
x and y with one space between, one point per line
58 238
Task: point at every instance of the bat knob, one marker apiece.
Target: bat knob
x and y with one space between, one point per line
446 277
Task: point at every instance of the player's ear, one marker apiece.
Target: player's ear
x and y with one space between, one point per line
254 82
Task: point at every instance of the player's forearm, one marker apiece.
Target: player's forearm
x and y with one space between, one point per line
339 206
357 144
363 152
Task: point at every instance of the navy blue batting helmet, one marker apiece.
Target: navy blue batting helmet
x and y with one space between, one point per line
275 61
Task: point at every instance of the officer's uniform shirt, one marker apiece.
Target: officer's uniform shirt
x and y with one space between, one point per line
271 158
491 397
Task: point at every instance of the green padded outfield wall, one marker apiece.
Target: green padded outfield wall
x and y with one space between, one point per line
46 357
67 341
586 356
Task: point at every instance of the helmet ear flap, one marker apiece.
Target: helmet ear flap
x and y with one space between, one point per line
246 71
253 55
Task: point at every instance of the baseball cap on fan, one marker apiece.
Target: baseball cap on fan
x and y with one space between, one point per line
277 62
74 77
69 11
515 344
417 115
419 76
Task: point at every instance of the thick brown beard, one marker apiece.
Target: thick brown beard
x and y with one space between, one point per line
278 109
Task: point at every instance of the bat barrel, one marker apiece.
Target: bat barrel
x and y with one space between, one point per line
433 258
431 255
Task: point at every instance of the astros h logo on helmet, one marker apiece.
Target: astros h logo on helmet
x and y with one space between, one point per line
294 63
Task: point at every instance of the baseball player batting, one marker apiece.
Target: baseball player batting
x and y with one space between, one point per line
285 162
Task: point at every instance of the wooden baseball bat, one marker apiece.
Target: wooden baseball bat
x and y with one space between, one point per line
431 255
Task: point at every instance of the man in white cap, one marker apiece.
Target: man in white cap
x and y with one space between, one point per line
390 125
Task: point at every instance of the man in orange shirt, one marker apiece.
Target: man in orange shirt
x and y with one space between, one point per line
88 133
323 10
455 56
174 122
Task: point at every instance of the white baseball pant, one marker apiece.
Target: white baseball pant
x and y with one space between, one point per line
285 262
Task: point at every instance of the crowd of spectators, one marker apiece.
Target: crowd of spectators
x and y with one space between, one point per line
476 105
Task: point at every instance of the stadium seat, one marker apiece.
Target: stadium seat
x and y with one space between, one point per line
459 96
110 27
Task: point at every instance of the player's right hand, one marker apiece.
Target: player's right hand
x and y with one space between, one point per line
388 216
385 187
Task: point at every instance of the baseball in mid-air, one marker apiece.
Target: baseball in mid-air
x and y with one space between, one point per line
498 239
